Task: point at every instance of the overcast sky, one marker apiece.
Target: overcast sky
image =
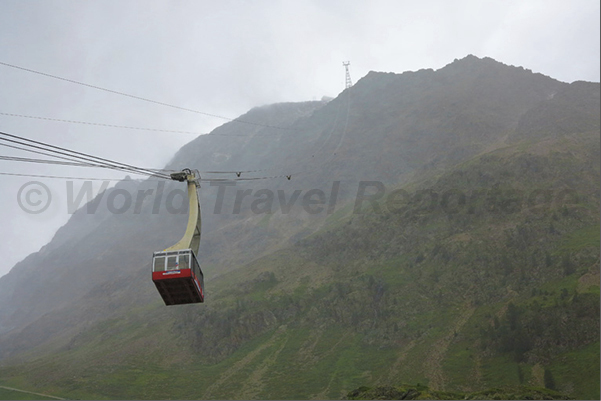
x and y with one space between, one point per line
225 57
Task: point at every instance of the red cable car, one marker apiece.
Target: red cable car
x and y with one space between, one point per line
175 271
178 277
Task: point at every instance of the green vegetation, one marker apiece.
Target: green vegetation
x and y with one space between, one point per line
408 392
582 238
8 393
451 301
484 283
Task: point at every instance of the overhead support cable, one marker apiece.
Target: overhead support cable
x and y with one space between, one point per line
103 164
60 177
101 124
69 162
237 120
78 155
47 154
120 179
44 161
169 131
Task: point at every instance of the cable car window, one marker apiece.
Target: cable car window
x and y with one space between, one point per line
197 268
172 263
198 273
159 264
184 261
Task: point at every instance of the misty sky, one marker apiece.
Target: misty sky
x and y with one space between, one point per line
226 57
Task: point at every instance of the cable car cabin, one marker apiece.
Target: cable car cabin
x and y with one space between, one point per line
178 277
175 271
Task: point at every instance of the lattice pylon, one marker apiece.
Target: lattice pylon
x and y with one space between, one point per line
349 83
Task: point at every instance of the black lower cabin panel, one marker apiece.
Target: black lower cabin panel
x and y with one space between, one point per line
178 291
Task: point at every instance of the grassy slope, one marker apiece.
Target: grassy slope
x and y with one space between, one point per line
409 392
381 299
10 394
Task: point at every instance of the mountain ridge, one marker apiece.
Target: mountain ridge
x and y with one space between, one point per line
331 281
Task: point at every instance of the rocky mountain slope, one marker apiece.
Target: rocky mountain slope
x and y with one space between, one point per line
478 266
